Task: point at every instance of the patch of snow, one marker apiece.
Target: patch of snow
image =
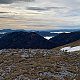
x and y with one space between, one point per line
48 37
65 48
71 49
77 48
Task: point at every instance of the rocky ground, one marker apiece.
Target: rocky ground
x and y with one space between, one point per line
39 64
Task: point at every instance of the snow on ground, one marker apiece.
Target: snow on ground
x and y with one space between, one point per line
71 49
65 48
48 37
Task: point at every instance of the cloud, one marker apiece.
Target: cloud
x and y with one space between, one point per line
11 1
5 1
3 12
41 13
43 8
37 8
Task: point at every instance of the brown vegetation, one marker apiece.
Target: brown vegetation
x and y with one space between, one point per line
37 66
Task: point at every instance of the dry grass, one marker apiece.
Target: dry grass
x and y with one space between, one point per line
39 67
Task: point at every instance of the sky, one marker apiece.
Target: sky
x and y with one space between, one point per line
39 14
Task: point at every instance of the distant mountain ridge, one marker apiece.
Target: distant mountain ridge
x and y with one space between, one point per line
65 38
40 32
22 39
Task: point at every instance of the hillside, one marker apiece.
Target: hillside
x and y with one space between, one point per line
73 44
24 40
65 38
39 64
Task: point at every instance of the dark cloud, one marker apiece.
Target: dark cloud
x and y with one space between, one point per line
3 17
43 9
3 12
37 8
11 1
5 1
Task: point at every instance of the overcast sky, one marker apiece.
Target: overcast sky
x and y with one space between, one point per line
39 14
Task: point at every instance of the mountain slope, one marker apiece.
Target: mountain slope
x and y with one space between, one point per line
71 47
75 43
24 40
65 38
72 44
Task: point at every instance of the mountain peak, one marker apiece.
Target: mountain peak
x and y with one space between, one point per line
24 40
